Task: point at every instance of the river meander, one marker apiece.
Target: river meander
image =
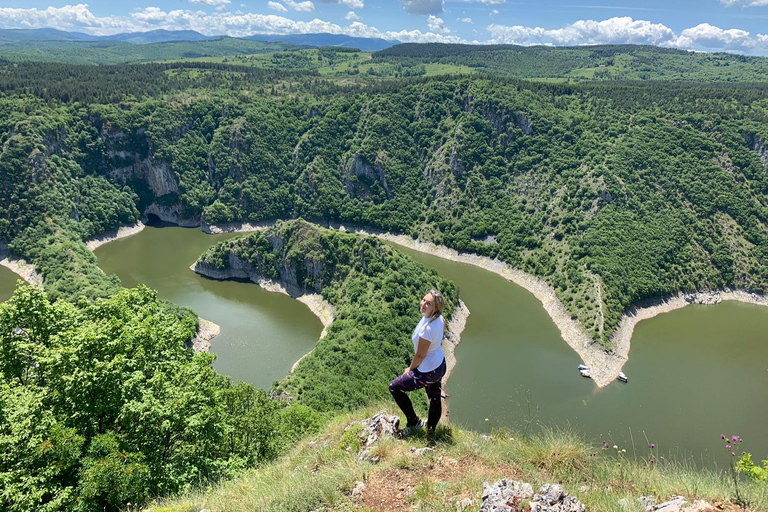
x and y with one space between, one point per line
262 333
694 373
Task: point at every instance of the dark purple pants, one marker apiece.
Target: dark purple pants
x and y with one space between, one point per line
413 380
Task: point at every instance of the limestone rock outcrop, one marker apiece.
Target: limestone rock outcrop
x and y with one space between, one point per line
509 495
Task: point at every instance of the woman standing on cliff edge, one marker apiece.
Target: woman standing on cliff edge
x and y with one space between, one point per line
427 368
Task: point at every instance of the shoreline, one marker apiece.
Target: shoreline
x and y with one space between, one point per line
25 270
115 234
451 339
206 331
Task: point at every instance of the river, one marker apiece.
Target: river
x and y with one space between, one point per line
694 373
262 333
7 283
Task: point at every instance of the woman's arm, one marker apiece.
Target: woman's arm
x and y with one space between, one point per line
418 357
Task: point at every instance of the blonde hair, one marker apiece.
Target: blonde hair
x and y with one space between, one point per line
438 303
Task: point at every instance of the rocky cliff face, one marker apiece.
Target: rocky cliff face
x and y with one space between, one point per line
293 279
358 168
759 145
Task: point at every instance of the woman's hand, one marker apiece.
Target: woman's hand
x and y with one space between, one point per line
407 369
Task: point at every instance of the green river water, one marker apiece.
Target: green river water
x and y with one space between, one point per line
694 373
262 333
7 283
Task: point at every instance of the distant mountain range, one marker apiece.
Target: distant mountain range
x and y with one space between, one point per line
161 36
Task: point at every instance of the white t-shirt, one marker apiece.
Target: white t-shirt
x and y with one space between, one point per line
432 332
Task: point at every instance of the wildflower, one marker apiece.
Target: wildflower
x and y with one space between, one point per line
651 461
722 436
615 447
735 439
728 447
653 445
605 444
654 491
624 450
486 419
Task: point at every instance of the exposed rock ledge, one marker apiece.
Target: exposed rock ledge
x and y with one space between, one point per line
23 269
206 331
234 227
116 234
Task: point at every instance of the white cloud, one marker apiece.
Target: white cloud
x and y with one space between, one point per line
436 24
623 30
423 6
493 13
212 3
715 38
275 6
352 16
464 20
492 2
762 41
69 17
352 4
744 3
236 25
358 29
306 6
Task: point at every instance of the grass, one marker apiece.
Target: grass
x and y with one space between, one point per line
319 473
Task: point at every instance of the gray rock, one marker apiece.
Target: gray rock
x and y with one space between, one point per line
359 488
552 498
506 495
623 503
422 451
674 505
647 502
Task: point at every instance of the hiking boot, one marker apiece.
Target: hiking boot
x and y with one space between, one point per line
409 430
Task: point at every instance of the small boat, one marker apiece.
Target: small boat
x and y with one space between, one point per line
586 373
622 377
583 367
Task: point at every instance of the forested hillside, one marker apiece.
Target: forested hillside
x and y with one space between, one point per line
613 194
121 52
600 62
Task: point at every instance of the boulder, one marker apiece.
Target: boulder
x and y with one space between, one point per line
552 498
506 495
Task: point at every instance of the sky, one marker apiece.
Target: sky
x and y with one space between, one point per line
739 26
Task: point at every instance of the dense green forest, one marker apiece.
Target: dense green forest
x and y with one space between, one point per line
600 62
612 193
102 405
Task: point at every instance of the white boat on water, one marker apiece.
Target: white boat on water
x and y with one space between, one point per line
622 377
583 367
586 373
